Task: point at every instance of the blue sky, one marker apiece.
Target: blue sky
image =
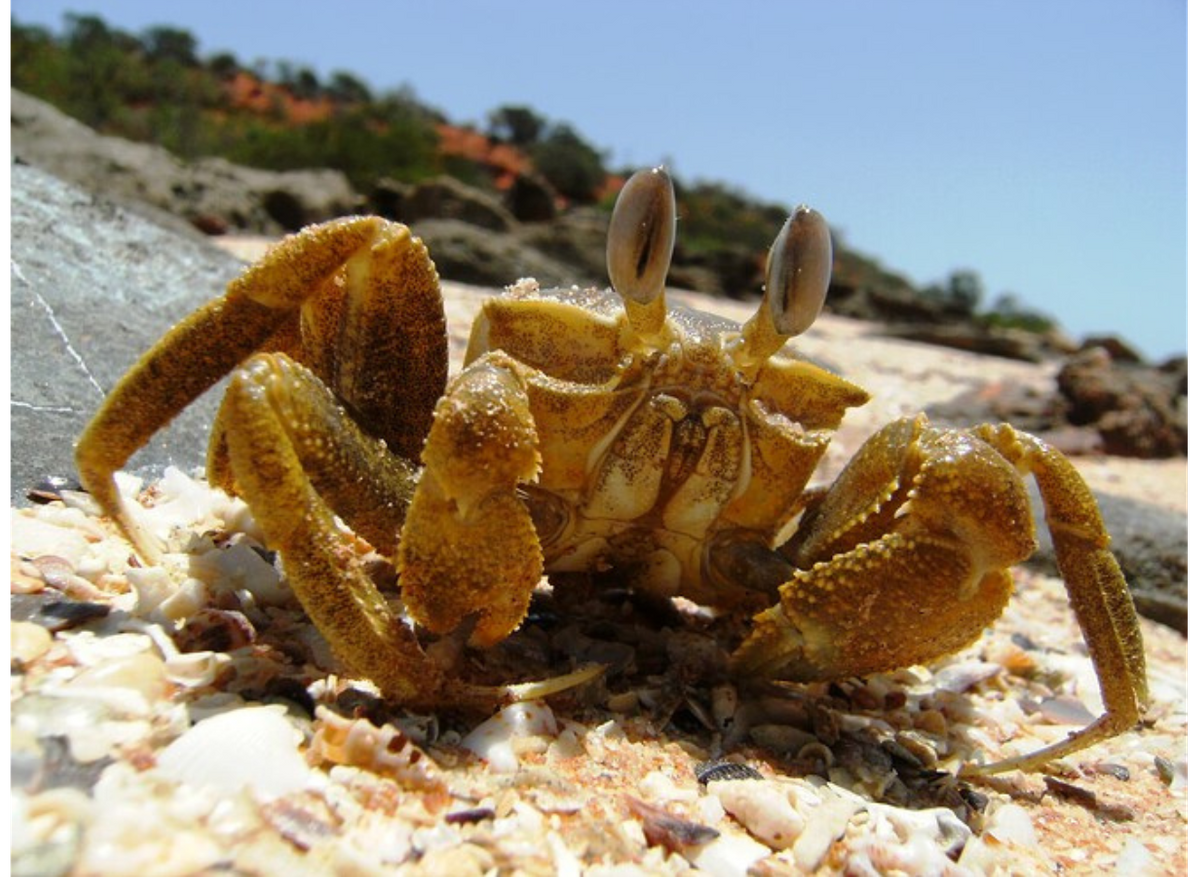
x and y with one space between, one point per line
1042 145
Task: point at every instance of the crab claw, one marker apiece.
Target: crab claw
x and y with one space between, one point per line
641 239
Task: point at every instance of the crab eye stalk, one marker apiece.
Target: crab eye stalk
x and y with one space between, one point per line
799 267
641 239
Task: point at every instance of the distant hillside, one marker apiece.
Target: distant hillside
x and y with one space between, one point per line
154 87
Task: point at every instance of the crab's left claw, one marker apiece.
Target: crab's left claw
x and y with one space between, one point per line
470 549
906 559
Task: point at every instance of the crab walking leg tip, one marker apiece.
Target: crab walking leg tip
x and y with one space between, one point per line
544 688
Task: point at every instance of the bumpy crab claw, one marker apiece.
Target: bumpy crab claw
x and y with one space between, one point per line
641 239
799 267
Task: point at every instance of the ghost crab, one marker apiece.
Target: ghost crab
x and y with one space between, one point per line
601 429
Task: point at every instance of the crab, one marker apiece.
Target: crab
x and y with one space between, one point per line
602 430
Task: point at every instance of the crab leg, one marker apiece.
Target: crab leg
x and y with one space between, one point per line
1095 586
357 299
904 561
192 357
270 409
299 460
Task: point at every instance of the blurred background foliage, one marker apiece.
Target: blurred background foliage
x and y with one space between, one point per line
156 87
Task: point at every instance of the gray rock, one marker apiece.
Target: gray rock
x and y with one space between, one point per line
445 197
738 271
1136 409
1150 543
1117 348
289 199
696 278
149 180
886 299
531 199
388 198
93 286
1007 343
579 238
470 254
1176 368
1029 408
1097 406
118 169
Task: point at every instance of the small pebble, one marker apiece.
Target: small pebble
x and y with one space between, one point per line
663 829
303 819
1024 642
625 702
28 641
782 739
918 747
470 817
932 722
62 575
895 700
1118 771
1165 768
976 800
816 752
900 753
68 614
144 673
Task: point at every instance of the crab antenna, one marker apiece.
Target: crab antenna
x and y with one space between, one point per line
641 239
799 267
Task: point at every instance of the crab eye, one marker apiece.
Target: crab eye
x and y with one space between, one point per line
641 237
799 267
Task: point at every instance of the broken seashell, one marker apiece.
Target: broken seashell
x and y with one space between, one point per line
493 740
764 809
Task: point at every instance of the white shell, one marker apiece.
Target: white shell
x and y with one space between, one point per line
493 740
37 536
237 566
730 855
763 808
253 746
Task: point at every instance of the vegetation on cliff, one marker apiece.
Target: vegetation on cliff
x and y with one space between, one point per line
156 87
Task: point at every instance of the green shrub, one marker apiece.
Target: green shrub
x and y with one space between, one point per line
1010 313
569 163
